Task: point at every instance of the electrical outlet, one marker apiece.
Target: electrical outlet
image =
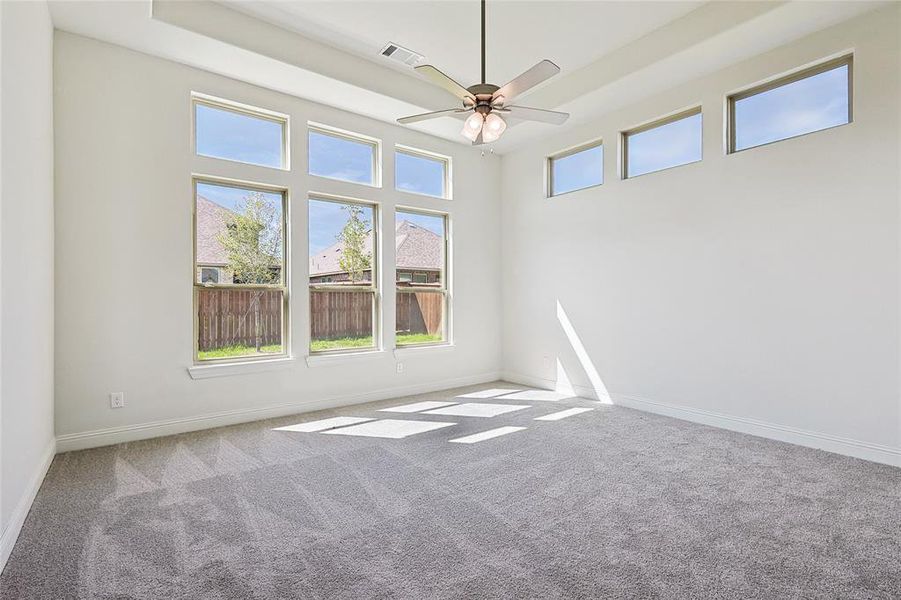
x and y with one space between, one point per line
117 400
400 367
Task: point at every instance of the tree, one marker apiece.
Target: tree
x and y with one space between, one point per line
252 239
354 257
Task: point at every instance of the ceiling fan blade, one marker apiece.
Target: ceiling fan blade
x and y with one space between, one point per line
430 115
540 72
537 114
442 80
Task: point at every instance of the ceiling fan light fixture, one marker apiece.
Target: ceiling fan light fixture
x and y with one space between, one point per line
494 127
473 126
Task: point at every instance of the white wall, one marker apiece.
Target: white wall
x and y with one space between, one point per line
758 291
26 232
124 253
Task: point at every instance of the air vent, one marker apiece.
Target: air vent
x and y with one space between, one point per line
401 54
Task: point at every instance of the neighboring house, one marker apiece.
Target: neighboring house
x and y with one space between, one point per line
418 251
212 260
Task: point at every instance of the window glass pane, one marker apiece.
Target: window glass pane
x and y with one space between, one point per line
419 249
341 158
240 232
419 317
239 322
222 133
419 174
341 320
669 145
811 104
578 170
341 255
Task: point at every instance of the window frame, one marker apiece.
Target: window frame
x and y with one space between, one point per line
374 286
445 280
781 81
283 287
549 166
666 120
247 110
447 187
350 136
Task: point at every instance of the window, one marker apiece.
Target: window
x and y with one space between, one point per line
667 143
345 156
810 100
239 234
421 172
209 275
422 299
576 169
343 279
234 132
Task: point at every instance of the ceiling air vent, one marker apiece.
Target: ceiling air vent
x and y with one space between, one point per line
401 54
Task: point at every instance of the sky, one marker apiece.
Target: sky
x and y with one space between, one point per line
235 136
580 170
230 196
810 104
418 174
328 218
669 145
340 158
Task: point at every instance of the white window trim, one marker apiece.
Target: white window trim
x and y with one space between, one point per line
228 369
418 152
247 110
285 287
696 109
549 166
352 136
772 83
447 280
375 278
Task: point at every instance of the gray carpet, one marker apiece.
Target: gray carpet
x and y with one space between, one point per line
611 503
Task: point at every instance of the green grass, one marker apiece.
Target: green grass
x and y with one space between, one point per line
366 342
239 350
418 338
340 344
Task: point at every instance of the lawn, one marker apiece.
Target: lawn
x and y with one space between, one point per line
238 350
418 338
403 339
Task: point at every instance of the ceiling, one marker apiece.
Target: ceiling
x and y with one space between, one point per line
519 34
611 53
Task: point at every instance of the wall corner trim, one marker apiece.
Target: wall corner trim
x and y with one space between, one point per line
20 513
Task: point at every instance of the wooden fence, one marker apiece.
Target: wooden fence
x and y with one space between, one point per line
227 317
419 312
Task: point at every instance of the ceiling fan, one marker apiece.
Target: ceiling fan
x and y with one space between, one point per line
487 102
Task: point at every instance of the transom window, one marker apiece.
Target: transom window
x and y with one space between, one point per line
239 133
342 155
343 275
663 144
804 102
576 169
240 297
421 243
421 172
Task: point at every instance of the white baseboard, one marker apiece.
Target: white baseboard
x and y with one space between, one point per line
17 518
812 439
141 431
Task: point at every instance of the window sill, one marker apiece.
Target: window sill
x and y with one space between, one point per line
240 368
322 360
406 351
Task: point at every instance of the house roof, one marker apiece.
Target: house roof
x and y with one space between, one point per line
211 220
415 248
